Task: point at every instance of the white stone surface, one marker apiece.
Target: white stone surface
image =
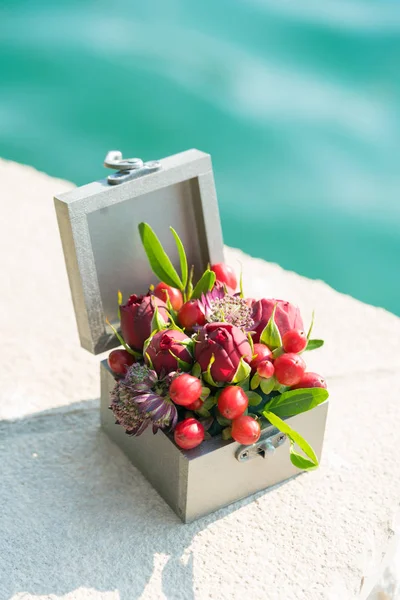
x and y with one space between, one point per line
77 521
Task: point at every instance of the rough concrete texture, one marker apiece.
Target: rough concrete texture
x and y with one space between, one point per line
78 522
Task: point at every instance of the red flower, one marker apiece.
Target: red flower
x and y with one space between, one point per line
136 317
165 348
287 316
228 344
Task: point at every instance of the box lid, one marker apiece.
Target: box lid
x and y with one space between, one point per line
103 252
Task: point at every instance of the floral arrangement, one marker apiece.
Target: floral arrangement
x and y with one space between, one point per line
201 360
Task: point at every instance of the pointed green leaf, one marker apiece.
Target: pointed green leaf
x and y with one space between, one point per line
157 322
226 434
149 361
122 341
182 365
250 340
208 378
209 402
242 372
254 398
160 264
295 438
295 402
311 325
267 385
222 420
314 344
255 381
173 324
300 461
241 284
277 352
119 296
182 258
196 370
205 284
205 392
270 335
190 284
203 412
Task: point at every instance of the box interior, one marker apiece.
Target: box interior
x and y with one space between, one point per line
120 261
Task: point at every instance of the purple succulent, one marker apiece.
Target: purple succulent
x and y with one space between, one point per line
141 399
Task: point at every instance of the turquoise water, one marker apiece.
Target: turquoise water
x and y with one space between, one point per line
298 103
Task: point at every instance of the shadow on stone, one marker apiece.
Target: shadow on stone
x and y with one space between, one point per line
75 513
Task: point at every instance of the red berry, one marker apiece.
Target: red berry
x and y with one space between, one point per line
225 274
294 340
289 368
163 291
310 380
232 402
246 430
185 389
261 352
119 361
191 314
189 433
265 369
196 405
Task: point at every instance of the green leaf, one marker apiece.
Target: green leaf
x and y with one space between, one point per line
205 284
157 322
222 420
277 352
182 258
119 296
267 385
295 402
226 433
122 341
250 340
241 284
314 344
300 461
203 412
182 365
295 438
149 361
158 259
255 381
205 392
242 372
254 398
208 378
270 335
175 327
209 402
196 370
311 325
190 284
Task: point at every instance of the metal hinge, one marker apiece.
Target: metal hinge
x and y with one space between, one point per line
264 447
128 168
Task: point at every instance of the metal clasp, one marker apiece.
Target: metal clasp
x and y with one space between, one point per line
264 447
128 168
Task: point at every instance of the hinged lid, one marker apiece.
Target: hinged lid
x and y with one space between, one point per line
102 247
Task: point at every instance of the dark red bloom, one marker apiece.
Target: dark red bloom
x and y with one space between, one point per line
136 317
287 316
228 344
165 348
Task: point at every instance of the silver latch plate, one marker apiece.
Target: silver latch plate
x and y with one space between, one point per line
264 447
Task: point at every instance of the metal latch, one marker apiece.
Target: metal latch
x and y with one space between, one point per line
128 168
264 447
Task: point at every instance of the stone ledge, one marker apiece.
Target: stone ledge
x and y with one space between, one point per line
81 504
